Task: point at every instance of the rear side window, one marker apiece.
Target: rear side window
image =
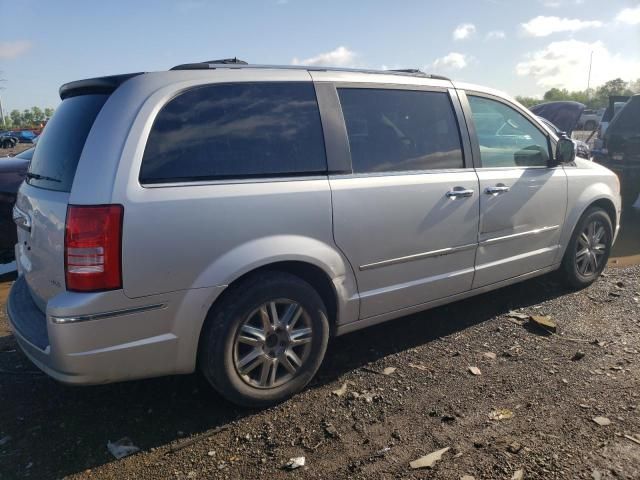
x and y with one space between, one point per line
242 130
400 130
55 160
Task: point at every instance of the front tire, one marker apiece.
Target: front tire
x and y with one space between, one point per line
588 249
265 340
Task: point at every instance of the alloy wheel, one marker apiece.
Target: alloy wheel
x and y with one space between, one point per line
591 248
272 343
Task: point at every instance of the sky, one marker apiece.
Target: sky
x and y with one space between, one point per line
520 47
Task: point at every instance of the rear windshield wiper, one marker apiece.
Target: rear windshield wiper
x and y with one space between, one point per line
36 176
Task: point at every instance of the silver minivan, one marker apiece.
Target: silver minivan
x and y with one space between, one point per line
232 218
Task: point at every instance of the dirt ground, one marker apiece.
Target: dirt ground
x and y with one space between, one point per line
382 422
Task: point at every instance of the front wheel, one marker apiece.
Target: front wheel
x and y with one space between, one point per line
265 340
588 249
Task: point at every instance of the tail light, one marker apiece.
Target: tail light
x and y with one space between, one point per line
92 248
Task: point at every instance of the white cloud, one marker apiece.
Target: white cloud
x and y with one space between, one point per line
630 16
340 57
495 35
453 60
565 64
542 26
10 50
463 31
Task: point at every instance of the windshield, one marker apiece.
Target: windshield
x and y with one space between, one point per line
60 145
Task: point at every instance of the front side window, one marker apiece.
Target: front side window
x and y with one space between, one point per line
241 130
400 130
506 137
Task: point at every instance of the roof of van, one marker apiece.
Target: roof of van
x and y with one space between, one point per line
110 83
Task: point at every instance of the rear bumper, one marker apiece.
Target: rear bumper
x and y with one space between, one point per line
131 339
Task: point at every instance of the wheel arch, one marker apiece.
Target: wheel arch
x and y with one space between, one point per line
603 202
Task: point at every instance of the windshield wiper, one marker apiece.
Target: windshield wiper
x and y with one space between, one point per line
36 176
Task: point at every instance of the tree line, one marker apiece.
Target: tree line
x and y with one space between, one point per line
592 98
28 118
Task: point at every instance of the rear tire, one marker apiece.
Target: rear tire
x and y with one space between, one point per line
265 340
588 249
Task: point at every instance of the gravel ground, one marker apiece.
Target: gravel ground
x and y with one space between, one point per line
551 385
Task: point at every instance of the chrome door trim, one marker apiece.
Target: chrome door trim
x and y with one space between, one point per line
537 231
99 316
418 256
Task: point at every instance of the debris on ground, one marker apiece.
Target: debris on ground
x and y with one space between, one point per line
122 448
467 477
501 414
428 460
515 447
579 355
545 322
4 440
419 366
475 370
518 315
602 421
294 463
518 475
389 370
633 439
489 355
342 390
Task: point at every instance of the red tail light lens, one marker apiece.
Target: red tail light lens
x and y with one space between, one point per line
92 248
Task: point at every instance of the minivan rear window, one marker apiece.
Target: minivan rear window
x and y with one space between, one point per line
230 131
56 158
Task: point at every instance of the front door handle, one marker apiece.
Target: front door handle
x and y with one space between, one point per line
459 192
496 190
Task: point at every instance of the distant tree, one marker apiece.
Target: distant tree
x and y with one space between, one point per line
529 101
48 112
37 114
8 122
27 118
16 118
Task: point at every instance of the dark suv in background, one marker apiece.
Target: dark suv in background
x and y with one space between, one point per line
621 149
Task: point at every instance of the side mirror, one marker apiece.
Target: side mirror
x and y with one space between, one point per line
565 150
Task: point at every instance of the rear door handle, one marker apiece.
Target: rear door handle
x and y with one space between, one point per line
496 190
459 192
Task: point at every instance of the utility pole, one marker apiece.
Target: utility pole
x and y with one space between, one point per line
589 77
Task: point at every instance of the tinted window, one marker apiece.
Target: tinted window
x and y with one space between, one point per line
236 130
400 130
61 143
506 137
628 119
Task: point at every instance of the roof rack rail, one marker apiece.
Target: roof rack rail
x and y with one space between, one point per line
417 72
209 64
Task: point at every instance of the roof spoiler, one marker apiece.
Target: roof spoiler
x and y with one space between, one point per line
104 85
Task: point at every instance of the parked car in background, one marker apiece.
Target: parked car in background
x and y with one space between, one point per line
12 173
590 119
8 140
24 136
563 117
621 148
232 218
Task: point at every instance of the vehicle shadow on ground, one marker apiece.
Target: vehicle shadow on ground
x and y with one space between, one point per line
58 430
